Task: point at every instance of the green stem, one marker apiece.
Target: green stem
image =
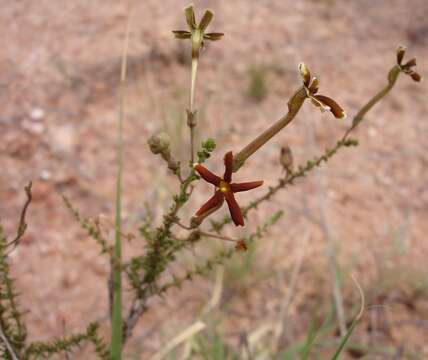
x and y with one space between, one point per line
117 326
294 106
302 171
191 114
392 78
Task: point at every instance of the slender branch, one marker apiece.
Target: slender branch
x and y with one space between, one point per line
207 234
219 257
8 345
183 226
22 225
392 78
216 236
155 258
91 226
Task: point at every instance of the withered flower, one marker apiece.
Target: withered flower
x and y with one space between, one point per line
224 189
286 159
325 103
241 246
197 31
407 67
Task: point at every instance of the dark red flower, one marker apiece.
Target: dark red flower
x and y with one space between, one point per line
325 103
407 68
224 190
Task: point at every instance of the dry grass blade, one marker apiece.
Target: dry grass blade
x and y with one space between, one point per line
280 326
180 338
354 322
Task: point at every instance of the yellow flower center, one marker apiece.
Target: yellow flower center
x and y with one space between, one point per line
224 186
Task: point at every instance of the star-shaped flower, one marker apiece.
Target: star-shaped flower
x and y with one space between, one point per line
197 31
323 102
407 67
224 189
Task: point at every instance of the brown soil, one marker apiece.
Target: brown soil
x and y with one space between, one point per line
59 87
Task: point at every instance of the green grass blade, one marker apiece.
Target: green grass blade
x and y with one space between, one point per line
310 340
353 325
345 340
117 325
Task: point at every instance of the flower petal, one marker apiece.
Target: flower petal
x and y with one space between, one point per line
335 108
410 63
416 77
207 175
235 211
401 50
228 162
212 204
181 34
313 88
323 107
190 17
245 186
206 19
305 73
213 36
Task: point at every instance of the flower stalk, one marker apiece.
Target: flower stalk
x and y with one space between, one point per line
392 78
294 106
344 141
307 91
197 35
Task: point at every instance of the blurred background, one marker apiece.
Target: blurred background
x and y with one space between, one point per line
59 72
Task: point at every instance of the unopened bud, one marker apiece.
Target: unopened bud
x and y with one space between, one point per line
194 236
241 246
160 143
286 159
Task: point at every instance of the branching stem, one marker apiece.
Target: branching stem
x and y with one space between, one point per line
303 170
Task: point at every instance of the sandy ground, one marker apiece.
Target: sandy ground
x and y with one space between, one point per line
59 69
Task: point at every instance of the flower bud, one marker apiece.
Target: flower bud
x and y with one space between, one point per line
160 143
286 159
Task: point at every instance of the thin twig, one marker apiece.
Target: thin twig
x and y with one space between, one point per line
9 347
22 225
216 236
